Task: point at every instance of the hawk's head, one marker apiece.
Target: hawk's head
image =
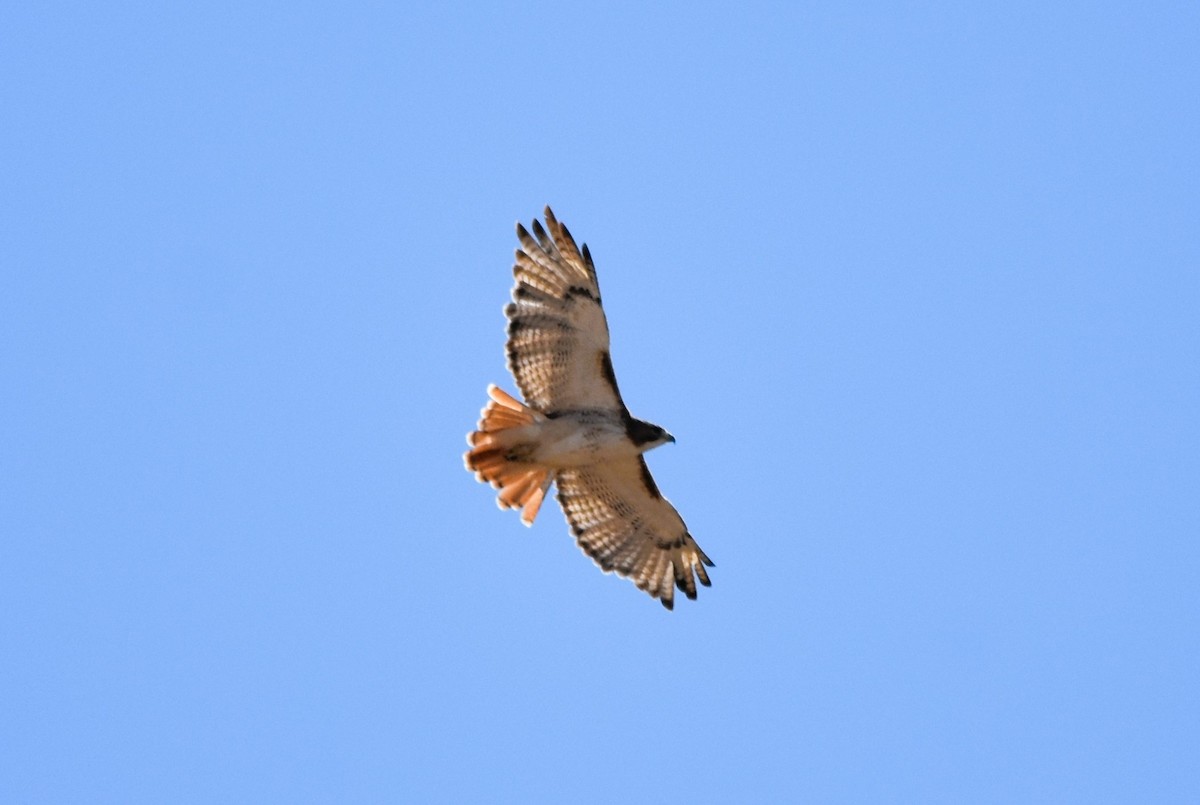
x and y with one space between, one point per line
645 435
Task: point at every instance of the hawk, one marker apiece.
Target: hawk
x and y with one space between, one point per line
573 430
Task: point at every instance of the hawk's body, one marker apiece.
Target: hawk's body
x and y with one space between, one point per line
574 429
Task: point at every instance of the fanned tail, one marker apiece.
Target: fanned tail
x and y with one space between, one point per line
522 486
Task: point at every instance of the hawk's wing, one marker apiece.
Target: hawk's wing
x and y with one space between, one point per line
557 334
623 522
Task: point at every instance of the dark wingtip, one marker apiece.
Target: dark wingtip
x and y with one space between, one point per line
522 232
669 603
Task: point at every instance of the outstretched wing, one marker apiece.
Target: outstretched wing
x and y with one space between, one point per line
623 522
557 334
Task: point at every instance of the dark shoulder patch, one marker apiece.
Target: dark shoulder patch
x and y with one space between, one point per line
606 369
648 479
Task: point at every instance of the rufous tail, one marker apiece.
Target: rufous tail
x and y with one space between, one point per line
522 485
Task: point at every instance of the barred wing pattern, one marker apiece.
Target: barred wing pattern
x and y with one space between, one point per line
557 334
626 526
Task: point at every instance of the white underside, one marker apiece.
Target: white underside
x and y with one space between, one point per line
571 440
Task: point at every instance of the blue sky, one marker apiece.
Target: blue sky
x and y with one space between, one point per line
915 286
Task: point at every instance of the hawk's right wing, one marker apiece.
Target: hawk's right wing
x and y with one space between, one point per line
626 526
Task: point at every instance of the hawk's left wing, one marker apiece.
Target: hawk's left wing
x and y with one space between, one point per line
557 333
626 526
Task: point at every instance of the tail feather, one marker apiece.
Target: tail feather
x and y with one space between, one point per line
486 463
496 418
517 489
522 486
505 399
533 501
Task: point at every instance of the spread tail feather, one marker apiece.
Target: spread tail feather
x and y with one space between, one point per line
522 486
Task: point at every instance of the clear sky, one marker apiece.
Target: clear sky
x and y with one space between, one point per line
916 287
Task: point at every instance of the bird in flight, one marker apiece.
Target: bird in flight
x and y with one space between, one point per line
573 430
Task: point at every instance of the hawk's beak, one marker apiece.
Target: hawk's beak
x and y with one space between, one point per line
670 438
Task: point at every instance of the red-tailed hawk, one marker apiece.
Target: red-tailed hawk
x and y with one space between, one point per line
574 430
